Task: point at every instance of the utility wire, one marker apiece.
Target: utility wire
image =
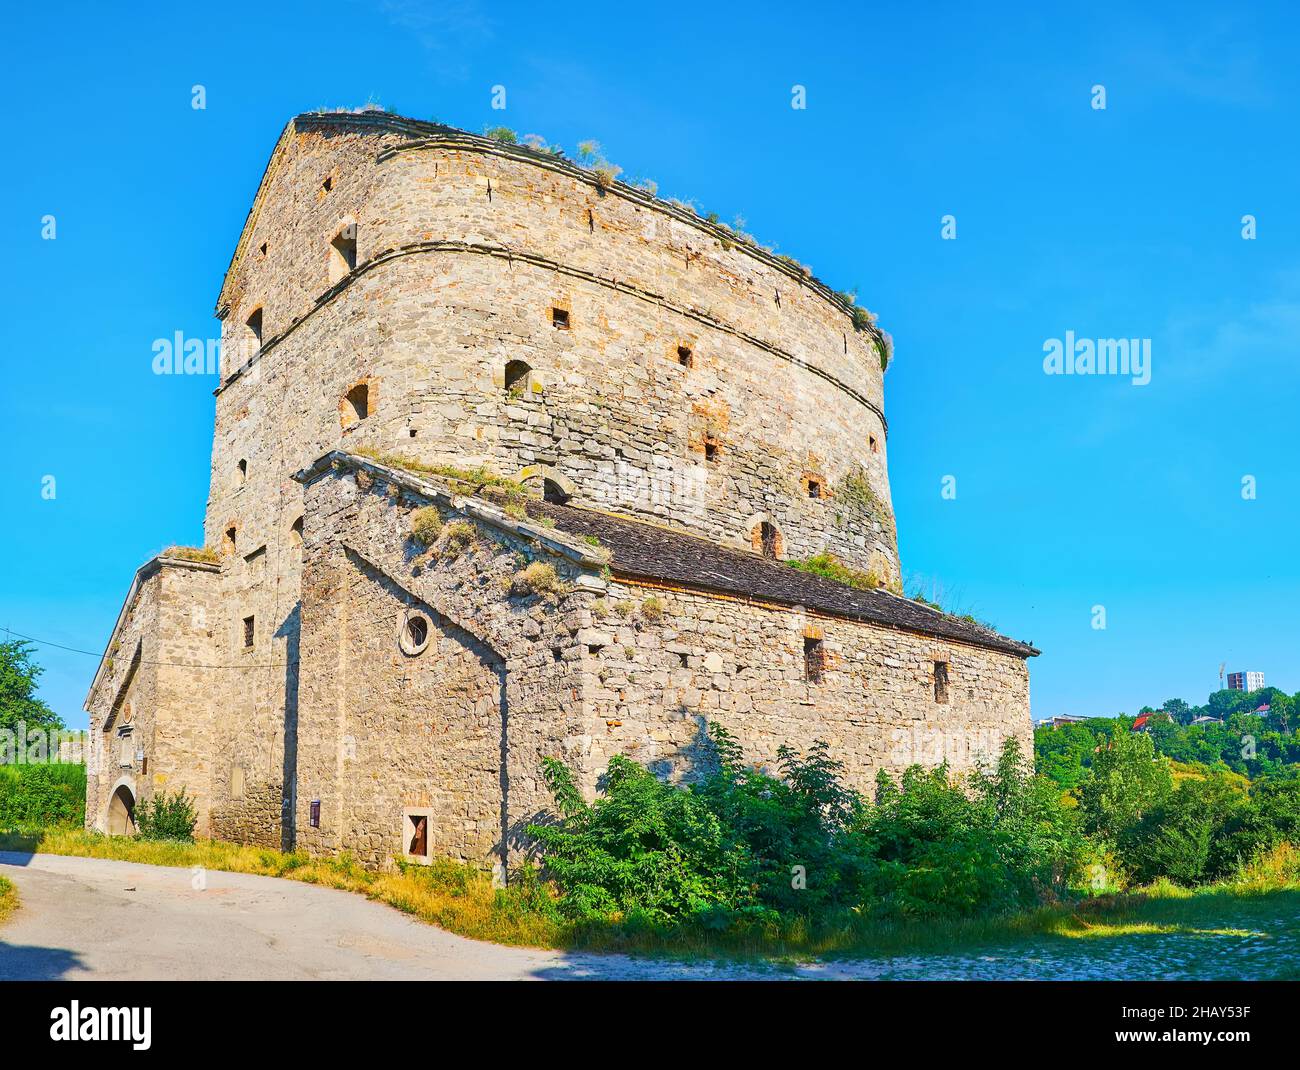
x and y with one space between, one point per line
169 664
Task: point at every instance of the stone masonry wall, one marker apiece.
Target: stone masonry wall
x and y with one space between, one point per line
607 667
714 447
190 688
675 660
125 694
157 680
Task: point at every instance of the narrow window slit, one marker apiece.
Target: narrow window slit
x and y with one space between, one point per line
940 681
814 659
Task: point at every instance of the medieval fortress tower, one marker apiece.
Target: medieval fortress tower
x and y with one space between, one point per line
384 634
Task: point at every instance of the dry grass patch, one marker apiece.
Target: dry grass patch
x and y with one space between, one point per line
539 578
8 898
426 525
193 553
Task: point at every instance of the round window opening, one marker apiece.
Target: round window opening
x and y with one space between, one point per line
415 634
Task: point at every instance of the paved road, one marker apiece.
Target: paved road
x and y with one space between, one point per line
90 918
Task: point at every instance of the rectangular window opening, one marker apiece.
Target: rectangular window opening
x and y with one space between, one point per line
419 835
814 659
560 318
417 829
940 681
249 632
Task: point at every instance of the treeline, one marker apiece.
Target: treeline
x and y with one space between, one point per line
42 795
1152 818
1244 741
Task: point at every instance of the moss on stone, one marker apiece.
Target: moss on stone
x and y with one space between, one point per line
457 537
469 481
855 489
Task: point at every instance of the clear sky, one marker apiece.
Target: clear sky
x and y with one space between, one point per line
1072 491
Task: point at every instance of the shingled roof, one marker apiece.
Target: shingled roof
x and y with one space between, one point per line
647 551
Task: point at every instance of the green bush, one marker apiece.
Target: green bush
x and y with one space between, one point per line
744 846
53 794
166 817
1209 827
645 849
1126 781
1001 841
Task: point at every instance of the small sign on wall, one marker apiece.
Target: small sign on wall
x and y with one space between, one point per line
315 813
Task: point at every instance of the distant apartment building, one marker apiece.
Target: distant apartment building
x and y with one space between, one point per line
1245 681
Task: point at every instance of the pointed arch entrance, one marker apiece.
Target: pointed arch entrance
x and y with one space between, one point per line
121 811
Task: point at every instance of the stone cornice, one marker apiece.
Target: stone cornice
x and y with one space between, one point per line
518 256
450 138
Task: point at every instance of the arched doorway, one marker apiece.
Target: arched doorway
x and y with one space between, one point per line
121 812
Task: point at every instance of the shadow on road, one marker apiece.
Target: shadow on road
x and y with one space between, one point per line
18 850
22 963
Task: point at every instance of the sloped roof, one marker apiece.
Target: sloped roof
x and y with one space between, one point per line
647 551
640 550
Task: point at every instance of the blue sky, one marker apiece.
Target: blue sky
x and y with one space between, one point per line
1072 491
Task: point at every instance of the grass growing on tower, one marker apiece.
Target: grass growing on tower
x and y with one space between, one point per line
830 567
468 481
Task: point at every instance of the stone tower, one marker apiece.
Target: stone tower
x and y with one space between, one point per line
408 298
